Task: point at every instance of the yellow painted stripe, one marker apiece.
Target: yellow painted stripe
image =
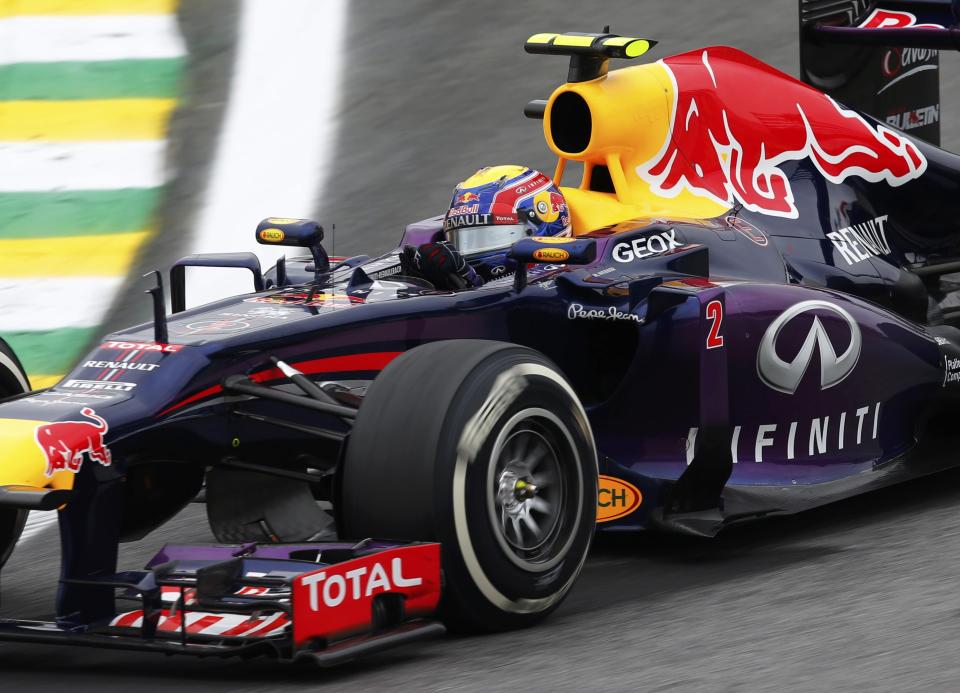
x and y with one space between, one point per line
95 119
38 382
103 256
637 48
10 8
541 38
618 41
564 40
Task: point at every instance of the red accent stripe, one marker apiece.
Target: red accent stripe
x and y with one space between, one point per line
204 623
170 623
128 619
242 628
375 361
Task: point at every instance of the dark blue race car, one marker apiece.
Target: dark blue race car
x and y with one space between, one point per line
753 316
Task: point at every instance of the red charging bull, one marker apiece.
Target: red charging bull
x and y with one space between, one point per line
736 119
64 443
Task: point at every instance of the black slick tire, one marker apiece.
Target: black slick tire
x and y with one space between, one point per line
447 444
13 381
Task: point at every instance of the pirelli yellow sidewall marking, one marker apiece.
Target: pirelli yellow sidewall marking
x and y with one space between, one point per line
22 462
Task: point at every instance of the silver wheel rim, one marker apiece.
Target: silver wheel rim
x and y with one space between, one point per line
532 488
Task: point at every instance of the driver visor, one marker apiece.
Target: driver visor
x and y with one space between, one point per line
473 240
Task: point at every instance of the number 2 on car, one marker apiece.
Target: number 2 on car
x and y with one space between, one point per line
714 313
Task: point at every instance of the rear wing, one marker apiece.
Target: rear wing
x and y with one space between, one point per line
881 57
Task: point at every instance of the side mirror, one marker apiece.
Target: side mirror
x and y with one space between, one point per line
301 233
550 250
554 250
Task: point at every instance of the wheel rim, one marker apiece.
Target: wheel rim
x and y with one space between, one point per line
534 490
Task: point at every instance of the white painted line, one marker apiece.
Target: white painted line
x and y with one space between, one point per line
87 38
31 304
41 166
276 143
37 522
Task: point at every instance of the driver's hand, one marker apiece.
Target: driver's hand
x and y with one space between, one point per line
443 266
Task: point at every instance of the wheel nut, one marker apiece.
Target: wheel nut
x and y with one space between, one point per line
524 490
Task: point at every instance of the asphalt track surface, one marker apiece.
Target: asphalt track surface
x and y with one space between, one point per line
860 595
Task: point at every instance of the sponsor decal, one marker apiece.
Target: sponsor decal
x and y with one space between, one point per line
916 118
272 235
551 254
64 443
466 220
578 312
801 439
647 246
216 326
858 242
557 240
237 322
498 270
463 209
549 205
284 220
263 313
298 297
785 376
895 60
616 498
338 600
941 341
142 346
748 230
715 149
69 399
98 385
466 198
899 64
332 590
893 19
122 365
951 370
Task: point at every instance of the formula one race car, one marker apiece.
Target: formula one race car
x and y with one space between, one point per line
752 317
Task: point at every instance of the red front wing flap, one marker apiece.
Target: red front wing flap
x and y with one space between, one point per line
354 597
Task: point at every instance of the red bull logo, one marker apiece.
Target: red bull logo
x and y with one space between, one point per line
64 443
735 120
467 198
894 19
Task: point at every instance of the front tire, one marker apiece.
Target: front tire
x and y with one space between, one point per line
13 381
484 447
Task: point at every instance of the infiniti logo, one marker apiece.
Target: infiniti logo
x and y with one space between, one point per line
786 377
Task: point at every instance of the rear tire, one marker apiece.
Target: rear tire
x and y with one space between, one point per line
13 381
446 445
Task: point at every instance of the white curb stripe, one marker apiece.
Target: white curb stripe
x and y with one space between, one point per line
89 38
43 166
277 138
29 305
